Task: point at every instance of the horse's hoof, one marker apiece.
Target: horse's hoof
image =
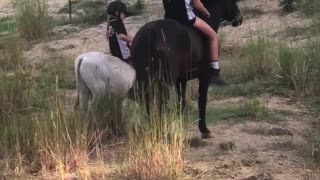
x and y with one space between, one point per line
206 135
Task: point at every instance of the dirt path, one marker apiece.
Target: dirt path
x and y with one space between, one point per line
6 8
240 149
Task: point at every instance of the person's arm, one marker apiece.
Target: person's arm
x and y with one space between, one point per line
121 31
197 4
125 38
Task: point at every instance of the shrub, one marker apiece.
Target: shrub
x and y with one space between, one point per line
32 19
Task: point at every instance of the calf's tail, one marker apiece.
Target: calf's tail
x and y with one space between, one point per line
78 78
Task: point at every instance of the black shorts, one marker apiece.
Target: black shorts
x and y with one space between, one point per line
179 10
189 22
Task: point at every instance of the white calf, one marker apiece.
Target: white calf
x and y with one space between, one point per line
100 74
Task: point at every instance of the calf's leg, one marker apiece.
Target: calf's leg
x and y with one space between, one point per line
83 96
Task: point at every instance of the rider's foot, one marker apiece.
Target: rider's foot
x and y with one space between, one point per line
216 78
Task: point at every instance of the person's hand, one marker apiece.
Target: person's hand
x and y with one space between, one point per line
200 7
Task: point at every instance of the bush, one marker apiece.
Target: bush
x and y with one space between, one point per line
310 7
14 93
6 24
50 139
253 109
10 53
299 68
289 5
136 8
32 19
15 108
88 12
295 68
256 61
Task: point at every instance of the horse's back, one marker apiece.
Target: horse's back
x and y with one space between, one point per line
99 70
168 42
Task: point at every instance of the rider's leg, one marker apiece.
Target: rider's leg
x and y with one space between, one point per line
211 34
214 55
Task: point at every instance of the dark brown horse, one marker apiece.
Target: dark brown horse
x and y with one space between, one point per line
166 52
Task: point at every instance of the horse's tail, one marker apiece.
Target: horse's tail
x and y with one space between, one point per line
150 51
161 57
156 51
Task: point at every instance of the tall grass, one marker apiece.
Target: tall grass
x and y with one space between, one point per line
276 64
259 56
14 93
156 145
257 61
11 53
311 56
55 139
32 19
62 141
299 68
42 134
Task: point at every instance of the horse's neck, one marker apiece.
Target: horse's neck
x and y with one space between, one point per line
216 9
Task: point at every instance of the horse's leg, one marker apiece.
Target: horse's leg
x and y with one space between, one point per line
179 94
161 99
202 104
183 93
146 100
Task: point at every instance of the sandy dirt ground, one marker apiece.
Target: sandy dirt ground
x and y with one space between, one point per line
271 149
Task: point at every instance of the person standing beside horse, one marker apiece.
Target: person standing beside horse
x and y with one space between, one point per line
182 11
119 41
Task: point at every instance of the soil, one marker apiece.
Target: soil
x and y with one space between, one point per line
253 150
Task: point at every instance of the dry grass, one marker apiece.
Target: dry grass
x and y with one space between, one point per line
32 19
11 53
156 146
